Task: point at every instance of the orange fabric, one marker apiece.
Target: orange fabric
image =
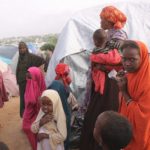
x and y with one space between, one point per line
111 58
112 14
99 80
138 111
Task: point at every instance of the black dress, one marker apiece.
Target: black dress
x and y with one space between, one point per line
24 63
98 104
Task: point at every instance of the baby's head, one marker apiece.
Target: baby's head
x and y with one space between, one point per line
112 131
100 38
46 105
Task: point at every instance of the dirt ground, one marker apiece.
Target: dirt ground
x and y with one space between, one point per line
10 126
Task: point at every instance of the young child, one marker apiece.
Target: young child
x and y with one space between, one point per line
50 124
104 59
112 131
100 40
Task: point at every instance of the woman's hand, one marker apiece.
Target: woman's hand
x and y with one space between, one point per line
117 43
45 119
42 136
122 84
75 108
122 81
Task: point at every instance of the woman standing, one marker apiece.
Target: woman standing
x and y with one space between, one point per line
34 88
135 93
26 60
112 20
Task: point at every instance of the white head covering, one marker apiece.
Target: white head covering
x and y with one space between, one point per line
58 111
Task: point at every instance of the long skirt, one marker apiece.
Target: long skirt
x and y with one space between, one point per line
32 137
22 87
98 104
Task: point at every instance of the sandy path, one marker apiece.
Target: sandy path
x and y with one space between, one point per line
10 126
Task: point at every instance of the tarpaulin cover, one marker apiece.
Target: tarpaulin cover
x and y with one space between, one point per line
76 36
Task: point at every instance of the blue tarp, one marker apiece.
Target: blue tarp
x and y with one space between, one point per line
8 51
6 60
32 47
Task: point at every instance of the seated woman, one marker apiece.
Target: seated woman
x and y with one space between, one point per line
135 93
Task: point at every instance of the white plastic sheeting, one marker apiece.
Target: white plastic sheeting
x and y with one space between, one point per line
9 79
78 72
77 34
3 67
14 62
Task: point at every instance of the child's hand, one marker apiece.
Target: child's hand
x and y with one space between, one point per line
45 119
75 108
42 136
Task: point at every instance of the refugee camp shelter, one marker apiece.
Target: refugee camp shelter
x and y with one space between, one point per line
9 79
7 52
76 37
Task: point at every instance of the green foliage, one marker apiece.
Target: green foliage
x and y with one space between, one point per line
50 42
48 38
47 46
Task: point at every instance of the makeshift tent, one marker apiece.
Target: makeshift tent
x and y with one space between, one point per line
9 79
14 62
7 52
77 36
3 67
